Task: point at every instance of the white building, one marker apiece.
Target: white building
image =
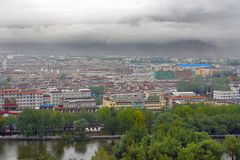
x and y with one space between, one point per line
227 95
183 93
20 99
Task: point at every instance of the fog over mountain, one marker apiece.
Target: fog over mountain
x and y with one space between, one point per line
124 27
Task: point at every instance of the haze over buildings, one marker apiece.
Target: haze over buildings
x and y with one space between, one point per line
123 27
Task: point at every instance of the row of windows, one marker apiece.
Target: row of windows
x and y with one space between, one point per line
23 97
223 94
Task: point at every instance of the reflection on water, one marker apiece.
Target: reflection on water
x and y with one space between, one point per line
23 150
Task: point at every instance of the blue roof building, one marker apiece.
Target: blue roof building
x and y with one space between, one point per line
195 65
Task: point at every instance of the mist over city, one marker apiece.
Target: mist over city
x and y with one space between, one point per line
106 27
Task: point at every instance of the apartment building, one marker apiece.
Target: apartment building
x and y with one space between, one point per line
134 100
148 104
12 99
184 99
234 93
204 72
57 96
225 95
80 104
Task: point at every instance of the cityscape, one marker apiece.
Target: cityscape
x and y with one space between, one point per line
85 85
88 83
119 80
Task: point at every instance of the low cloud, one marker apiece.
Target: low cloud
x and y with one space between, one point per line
120 22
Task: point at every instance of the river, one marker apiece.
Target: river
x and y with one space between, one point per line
30 150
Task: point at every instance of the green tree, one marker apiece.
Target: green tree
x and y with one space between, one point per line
108 118
189 153
97 92
79 129
89 116
46 157
139 118
135 152
232 145
148 119
168 146
126 119
56 121
209 150
3 124
101 154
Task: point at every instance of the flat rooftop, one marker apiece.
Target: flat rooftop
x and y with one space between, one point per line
194 65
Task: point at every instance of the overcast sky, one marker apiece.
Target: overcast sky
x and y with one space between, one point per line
213 24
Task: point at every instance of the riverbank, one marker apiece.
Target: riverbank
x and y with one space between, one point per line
26 150
49 138
100 137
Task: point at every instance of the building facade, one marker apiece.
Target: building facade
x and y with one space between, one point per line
57 96
135 100
204 72
234 93
225 95
17 99
79 104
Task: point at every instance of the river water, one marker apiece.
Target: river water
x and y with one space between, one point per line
30 150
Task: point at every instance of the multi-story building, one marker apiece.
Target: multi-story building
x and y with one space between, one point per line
183 94
178 99
57 96
148 104
183 97
150 93
127 96
234 93
204 72
80 104
136 100
225 95
192 66
18 99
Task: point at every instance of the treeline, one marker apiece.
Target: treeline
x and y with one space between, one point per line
214 120
172 141
50 123
43 122
177 134
198 117
181 134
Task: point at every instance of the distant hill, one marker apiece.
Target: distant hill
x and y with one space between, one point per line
192 48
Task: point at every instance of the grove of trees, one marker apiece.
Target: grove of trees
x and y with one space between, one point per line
178 134
215 120
181 134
